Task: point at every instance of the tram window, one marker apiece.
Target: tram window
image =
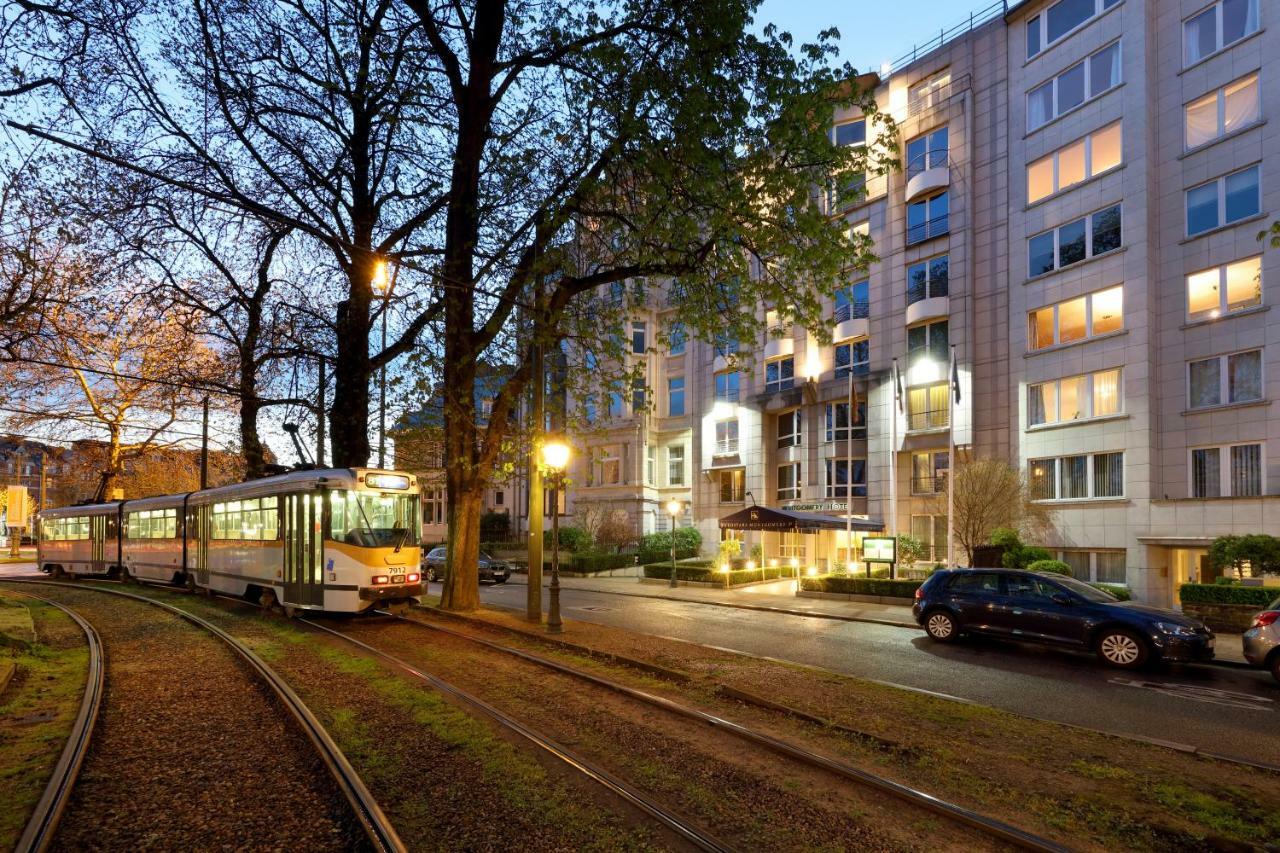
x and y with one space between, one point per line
152 524
255 520
76 527
370 519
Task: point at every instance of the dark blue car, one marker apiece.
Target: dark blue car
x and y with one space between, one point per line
1049 608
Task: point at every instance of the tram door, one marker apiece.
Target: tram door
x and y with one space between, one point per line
303 550
198 541
97 539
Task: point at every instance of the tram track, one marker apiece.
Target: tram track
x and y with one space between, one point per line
363 806
999 833
43 823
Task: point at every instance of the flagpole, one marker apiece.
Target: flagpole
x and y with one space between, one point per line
952 395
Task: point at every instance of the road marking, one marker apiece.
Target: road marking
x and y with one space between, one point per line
594 609
1196 693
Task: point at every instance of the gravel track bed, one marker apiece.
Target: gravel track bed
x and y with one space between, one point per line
446 780
191 752
743 794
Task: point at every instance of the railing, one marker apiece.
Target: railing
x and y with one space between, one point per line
779 385
919 291
928 229
934 97
862 368
730 396
934 158
841 434
727 447
929 485
859 309
975 20
928 419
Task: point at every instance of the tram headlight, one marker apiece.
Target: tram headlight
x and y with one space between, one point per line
381 579
413 578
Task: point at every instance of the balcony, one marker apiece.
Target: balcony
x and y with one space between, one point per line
928 309
928 419
726 447
935 485
928 229
928 172
852 321
777 347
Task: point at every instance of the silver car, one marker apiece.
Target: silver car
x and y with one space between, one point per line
1262 640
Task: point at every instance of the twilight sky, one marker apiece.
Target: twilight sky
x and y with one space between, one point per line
871 31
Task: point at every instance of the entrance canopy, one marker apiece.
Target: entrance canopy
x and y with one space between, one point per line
791 521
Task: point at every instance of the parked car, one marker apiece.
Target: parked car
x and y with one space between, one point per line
1049 608
491 570
1262 640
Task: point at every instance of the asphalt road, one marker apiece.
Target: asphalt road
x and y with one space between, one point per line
1230 712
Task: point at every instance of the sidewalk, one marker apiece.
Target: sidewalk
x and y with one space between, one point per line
779 597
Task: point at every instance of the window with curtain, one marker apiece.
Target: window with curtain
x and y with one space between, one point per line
1219 291
1082 82
1078 562
1224 380
1223 111
1110 567
927 406
726 437
1218 26
1091 395
1060 20
1233 470
1098 313
1206 472
675 465
1076 162
1077 477
1246 470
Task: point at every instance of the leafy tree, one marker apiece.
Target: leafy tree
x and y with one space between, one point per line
506 158
1018 555
1257 551
909 550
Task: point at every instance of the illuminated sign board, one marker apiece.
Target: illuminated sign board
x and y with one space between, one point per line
876 549
386 481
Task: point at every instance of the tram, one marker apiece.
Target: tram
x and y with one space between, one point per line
338 539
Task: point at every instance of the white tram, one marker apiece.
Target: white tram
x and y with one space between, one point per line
342 540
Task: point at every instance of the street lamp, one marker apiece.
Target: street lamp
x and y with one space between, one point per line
555 456
674 508
383 286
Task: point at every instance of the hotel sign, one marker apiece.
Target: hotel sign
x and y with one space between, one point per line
824 506
880 549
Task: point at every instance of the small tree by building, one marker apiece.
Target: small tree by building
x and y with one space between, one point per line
992 494
1249 555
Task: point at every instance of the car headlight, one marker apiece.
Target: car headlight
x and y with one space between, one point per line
1176 630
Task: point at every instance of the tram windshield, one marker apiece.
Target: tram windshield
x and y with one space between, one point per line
373 520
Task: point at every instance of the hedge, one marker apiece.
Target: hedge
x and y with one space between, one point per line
1208 593
705 572
589 563
658 556
490 547
860 586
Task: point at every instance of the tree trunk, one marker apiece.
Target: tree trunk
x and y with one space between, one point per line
462 580
349 418
250 444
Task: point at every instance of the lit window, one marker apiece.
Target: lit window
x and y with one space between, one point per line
1224 290
1225 380
929 473
928 406
1229 471
930 93
1220 25
1082 82
733 485
789 429
1093 395
779 374
1088 237
789 481
1061 19
1071 164
1223 111
1096 475
1223 201
927 279
1077 319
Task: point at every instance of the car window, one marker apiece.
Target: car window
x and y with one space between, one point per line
975 582
437 552
1029 586
1085 591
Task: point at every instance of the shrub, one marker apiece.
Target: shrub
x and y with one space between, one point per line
686 570
1259 551
909 550
860 586
1017 555
1211 593
571 539
688 539
664 555
729 549
1056 566
656 541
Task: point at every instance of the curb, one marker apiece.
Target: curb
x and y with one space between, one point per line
893 623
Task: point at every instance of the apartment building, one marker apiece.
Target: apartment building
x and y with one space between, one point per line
1077 220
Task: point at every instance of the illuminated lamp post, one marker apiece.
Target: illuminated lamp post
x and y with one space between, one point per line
555 456
674 508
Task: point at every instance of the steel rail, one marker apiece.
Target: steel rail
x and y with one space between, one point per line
992 827
607 780
43 823
372 819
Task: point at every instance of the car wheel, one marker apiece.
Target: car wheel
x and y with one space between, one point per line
1123 649
940 626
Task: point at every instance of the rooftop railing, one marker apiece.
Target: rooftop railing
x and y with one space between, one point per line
975 20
